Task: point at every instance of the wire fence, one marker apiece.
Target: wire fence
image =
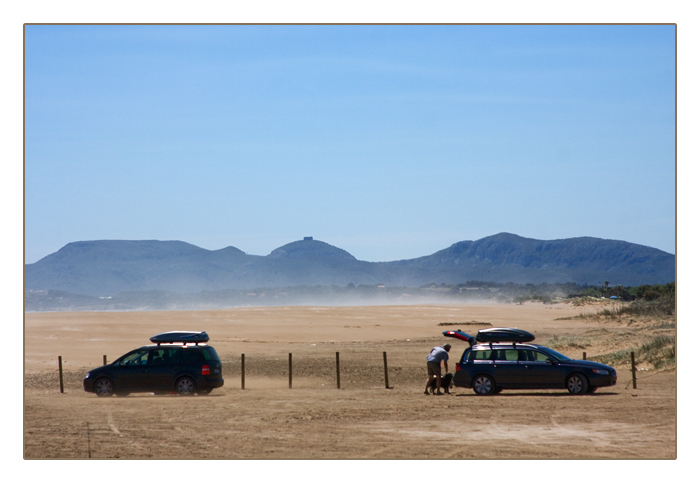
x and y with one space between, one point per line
346 370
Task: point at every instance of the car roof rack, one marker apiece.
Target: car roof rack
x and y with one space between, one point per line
491 344
184 337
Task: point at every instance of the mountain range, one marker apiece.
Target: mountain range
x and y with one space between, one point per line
109 267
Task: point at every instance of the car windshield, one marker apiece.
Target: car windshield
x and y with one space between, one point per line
555 354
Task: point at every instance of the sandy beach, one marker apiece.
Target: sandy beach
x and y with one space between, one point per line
315 419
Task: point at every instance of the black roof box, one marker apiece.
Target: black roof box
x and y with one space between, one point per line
503 334
184 337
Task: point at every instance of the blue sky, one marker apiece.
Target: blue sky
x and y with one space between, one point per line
390 142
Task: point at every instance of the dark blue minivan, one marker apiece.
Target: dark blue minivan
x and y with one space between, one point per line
180 362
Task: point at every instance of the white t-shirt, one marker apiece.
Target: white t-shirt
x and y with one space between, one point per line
438 354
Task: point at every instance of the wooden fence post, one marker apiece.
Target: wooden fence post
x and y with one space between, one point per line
242 371
290 370
584 356
337 368
60 373
634 371
88 438
386 373
104 360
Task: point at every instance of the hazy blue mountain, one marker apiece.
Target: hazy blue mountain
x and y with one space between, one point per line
510 258
108 267
309 250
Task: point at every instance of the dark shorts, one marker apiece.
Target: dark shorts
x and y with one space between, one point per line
434 369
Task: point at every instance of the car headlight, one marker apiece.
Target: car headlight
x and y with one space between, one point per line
87 376
601 371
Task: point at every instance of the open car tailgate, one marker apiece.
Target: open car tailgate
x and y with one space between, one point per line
458 334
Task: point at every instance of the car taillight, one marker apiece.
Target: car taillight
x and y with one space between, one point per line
457 368
205 370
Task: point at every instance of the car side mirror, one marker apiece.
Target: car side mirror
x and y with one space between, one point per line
549 361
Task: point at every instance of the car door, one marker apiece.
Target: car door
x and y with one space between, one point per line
539 369
162 364
191 361
475 361
131 371
506 370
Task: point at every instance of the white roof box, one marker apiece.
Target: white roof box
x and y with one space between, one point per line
184 337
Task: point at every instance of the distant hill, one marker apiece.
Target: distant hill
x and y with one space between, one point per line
108 267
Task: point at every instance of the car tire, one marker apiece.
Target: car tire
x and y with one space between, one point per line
484 385
577 384
104 387
185 386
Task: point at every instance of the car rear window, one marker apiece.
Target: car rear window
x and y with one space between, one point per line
210 354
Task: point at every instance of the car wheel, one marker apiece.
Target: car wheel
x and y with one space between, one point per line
185 386
104 387
577 384
484 385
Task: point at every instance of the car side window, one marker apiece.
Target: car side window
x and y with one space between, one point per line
541 357
190 356
505 355
162 356
529 355
526 355
136 358
482 355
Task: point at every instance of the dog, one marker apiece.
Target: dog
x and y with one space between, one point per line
445 384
